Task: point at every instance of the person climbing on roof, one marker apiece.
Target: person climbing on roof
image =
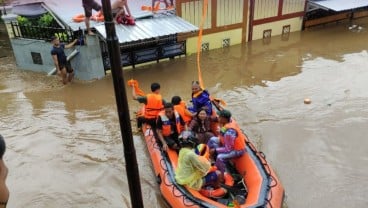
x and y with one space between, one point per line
88 6
63 67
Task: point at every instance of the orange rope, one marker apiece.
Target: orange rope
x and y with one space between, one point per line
199 42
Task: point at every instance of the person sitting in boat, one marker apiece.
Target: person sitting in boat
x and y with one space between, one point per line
121 12
182 109
200 99
194 170
153 105
201 125
169 126
230 143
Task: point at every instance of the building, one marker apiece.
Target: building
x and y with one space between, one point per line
165 34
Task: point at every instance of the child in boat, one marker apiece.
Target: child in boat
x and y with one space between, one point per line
230 143
194 170
201 125
200 99
169 126
182 109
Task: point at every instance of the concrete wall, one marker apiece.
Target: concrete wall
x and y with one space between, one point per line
277 26
215 40
87 64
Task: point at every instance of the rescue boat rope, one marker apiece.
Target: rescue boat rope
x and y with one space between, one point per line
199 42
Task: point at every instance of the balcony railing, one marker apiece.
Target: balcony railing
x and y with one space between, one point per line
42 33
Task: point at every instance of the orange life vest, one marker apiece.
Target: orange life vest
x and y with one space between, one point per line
239 143
166 126
154 106
181 110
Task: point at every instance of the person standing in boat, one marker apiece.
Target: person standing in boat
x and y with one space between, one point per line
201 125
231 141
63 67
182 109
200 99
153 105
4 191
88 6
193 170
169 126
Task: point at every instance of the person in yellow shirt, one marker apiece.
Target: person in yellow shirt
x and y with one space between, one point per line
194 170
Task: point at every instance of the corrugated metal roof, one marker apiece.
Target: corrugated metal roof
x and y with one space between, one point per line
163 24
150 28
340 5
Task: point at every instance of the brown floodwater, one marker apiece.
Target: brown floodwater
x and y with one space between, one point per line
65 149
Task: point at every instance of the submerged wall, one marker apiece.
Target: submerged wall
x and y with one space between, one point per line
35 55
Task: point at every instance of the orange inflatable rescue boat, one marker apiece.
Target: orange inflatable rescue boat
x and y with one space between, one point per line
254 184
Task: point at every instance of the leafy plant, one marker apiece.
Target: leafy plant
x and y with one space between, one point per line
46 20
23 21
63 37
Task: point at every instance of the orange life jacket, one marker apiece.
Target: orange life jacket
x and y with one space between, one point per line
239 143
166 126
181 110
154 106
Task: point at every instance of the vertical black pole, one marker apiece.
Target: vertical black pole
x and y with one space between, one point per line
123 108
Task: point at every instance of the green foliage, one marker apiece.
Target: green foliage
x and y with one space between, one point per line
23 21
63 37
46 20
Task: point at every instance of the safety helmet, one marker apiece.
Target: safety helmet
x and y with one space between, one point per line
188 138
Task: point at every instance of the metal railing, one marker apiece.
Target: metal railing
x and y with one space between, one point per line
41 33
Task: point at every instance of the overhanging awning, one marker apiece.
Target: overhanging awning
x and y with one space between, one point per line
339 5
147 29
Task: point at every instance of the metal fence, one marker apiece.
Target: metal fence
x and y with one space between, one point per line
42 33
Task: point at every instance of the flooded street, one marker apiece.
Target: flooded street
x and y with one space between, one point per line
64 143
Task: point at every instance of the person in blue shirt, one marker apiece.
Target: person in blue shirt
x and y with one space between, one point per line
200 99
63 67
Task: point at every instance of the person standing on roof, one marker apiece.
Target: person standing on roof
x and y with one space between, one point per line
63 67
153 104
88 6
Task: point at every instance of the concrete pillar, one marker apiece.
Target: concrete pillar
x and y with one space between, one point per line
7 19
88 64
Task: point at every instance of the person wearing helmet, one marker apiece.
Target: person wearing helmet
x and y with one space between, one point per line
194 170
230 143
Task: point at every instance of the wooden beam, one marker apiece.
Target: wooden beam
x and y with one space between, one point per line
245 20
